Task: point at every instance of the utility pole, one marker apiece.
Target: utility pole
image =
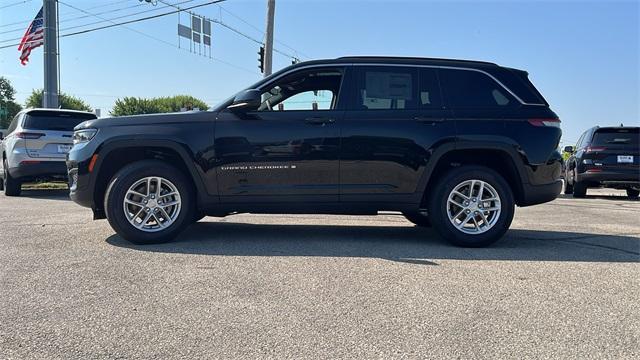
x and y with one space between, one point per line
268 41
51 89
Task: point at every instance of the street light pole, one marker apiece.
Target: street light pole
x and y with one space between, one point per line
51 88
268 42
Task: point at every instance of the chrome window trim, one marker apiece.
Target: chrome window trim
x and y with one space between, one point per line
403 65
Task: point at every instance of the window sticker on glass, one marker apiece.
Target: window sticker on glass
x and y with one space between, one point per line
384 85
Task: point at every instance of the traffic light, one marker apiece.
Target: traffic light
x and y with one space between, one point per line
261 59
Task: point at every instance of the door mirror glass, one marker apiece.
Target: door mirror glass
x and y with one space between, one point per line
568 149
247 100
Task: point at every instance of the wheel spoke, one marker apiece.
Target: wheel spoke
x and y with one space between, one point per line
461 195
484 219
456 203
481 190
158 186
170 203
165 214
146 219
463 223
168 194
128 201
133 192
155 217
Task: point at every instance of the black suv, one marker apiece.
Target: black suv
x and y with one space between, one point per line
604 156
450 143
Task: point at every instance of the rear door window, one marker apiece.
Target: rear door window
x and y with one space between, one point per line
54 121
387 88
473 89
430 96
622 136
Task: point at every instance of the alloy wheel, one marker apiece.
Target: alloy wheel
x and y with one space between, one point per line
473 207
152 204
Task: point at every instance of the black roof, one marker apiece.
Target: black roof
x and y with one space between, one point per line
403 60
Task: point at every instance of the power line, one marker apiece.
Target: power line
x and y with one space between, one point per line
114 24
221 23
96 15
14 4
261 31
89 8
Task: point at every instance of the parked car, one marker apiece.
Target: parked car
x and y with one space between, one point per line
450 143
604 157
36 145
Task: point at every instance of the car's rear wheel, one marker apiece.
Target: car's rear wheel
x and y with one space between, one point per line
418 218
633 193
471 206
12 187
149 202
579 189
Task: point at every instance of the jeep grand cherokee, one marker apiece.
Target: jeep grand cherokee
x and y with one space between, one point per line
451 144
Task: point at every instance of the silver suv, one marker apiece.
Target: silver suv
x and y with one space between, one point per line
36 146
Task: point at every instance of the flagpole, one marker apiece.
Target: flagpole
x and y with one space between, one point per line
51 88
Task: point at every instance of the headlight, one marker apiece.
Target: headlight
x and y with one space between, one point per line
82 136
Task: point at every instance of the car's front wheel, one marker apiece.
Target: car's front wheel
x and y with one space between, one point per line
471 206
149 202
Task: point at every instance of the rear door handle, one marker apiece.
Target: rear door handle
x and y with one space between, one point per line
428 120
318 120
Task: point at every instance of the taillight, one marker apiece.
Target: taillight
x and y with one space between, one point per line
545 122
590 149
29 135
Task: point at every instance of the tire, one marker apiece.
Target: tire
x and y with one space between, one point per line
633 193
418 218
12 187
579 189
198 216
498 222
568 188
136 173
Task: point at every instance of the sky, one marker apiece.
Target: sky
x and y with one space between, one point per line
582 56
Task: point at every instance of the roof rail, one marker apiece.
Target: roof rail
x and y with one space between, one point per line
412 58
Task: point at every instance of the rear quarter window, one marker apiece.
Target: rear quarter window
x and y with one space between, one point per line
54 121
473 89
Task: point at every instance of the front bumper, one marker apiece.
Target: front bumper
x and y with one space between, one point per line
43 169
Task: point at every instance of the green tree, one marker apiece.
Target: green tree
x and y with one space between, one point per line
135 105
8 106
66 101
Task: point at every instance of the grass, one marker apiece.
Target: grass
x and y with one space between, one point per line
54 185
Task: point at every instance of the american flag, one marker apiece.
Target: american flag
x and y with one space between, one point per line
33 37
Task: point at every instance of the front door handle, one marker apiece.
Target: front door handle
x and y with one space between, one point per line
318 120
428 120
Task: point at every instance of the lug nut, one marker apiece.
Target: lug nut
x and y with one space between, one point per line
474 200
467 211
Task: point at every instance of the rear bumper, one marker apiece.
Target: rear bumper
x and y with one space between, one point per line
630 178
39 169
538 194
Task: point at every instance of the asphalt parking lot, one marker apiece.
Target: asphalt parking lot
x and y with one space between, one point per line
563 283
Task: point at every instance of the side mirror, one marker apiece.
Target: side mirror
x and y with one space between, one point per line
247 100
568 149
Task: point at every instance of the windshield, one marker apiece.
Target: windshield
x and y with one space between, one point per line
55 121
621 136
257 85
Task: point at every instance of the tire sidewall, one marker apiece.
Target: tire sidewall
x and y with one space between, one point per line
119 186
438 206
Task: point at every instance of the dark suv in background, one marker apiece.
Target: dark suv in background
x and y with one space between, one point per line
604 157
450 143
